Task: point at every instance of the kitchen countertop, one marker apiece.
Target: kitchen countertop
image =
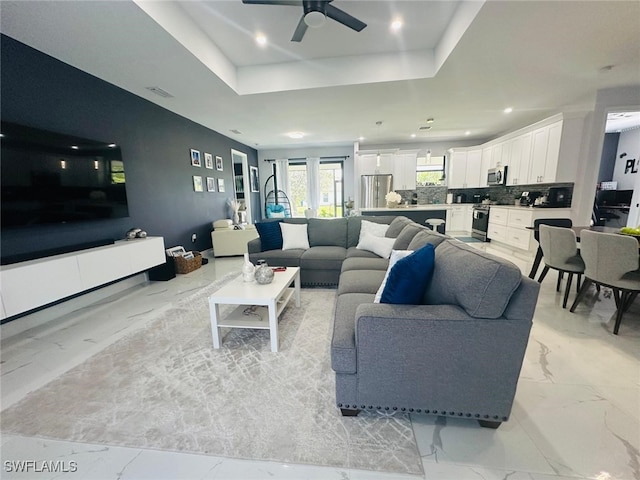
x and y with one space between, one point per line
431 206
521 207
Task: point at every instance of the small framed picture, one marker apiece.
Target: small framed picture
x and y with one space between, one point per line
221 184
255 183
197 183
211 184
195 158
218 163
208 161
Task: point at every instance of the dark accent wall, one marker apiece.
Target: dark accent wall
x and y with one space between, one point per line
40 91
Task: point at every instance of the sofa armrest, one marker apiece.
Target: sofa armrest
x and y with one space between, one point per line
423 356
254 246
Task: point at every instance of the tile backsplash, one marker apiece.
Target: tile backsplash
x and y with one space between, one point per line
500 195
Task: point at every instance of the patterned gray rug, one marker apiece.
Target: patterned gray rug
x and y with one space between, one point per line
165 387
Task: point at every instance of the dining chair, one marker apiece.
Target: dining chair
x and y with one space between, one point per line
611 260
560 252
555 222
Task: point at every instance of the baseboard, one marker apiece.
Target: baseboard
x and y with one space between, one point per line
41 317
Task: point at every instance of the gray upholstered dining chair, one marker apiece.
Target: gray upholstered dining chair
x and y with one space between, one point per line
611 260
555 222
560 252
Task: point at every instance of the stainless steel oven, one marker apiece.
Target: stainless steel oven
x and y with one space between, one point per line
480 223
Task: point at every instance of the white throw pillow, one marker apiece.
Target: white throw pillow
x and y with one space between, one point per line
375 229
395 256
381 246
294 236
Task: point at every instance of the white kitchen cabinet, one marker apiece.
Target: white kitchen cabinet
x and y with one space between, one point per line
367 164
545 152
512 225
464 169
459 218
520 160
404 171
474 165
487 153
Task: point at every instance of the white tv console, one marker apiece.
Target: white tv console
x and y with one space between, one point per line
28 285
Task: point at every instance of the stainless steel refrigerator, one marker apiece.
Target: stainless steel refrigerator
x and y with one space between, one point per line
373 189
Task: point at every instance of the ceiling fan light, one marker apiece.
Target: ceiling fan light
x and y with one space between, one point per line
315 19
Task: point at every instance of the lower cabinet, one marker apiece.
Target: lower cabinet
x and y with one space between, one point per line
459 218
508 225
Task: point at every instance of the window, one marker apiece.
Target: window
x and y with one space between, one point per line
329 188
430 170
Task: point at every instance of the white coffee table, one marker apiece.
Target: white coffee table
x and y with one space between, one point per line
269 301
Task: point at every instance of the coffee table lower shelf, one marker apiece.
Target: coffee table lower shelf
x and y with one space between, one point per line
238 319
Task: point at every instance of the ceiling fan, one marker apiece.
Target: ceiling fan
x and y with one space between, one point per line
315 14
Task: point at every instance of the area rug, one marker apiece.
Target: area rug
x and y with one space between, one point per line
165 387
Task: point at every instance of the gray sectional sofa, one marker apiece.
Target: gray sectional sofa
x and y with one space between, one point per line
457 354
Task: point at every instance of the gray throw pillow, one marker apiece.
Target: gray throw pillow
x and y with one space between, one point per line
328 232
396 226
426 236
406 235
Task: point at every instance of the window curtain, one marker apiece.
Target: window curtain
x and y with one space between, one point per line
313 183
282 175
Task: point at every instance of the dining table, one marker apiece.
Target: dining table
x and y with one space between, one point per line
577 230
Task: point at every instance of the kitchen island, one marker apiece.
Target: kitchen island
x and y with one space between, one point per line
417 213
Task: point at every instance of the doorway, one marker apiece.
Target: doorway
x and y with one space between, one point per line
618 184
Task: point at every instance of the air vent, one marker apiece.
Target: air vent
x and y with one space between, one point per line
426 127
159 91
237 132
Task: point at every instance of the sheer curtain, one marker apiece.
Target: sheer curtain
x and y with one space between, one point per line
282 175
313 183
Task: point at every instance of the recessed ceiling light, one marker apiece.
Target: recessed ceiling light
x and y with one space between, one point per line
468 132
295 134
360 139
396 25
112 145
75 147
261 40
508 110
413 135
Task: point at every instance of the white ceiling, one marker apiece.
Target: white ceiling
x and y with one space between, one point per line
461 63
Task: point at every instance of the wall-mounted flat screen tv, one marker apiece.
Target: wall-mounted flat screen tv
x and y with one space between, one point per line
50 178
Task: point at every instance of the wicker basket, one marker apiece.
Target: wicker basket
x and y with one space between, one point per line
184 265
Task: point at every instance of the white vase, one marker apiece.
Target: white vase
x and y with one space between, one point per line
236 218
248 270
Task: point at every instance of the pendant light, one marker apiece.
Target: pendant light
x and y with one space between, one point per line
379 124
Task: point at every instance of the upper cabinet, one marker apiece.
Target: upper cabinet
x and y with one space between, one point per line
465 167
368 164
404 171
546 152
520 161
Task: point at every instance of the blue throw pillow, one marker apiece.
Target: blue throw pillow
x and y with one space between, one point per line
270 235
409 277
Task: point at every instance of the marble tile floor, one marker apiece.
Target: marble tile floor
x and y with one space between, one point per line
576 413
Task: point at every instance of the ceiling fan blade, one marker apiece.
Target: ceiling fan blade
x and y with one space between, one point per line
292 3
344 18
301 29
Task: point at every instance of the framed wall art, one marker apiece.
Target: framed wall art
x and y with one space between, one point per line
195 158
218 163
197 183
221 184
255 183
211 184
208 161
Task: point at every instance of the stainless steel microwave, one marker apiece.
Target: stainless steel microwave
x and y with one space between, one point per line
497 176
